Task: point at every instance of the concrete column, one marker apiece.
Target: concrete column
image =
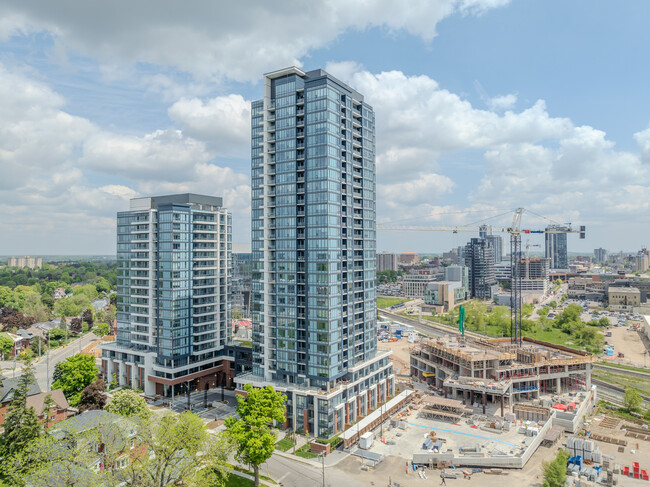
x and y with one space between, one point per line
588 377
316 417
484 401
558 386
336 423
502 406
294 412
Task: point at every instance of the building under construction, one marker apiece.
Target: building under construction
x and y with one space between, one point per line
499 372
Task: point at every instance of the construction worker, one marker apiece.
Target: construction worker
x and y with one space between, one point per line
442 478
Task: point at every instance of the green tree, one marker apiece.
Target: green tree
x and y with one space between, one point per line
76 373
102 329
603 321
180 450
48 404
632 400
21 425
50 460
127 402
253 438
6 345
553 304
555 471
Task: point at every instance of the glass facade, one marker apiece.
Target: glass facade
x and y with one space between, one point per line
313 230
174 272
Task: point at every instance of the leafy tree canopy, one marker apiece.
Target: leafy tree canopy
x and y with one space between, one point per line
251 433
127 402
75 374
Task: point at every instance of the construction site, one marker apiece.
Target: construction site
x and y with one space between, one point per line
480 403
494 375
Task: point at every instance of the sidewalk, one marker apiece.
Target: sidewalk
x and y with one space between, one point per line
331 460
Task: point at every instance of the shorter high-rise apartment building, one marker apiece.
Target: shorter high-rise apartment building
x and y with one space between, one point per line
479 259
556 246
641 262
173 288
387 262
600 255
31 262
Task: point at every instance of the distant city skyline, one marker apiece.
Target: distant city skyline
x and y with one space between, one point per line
481 106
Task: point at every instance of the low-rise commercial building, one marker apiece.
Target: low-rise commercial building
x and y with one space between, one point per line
623 298
408 258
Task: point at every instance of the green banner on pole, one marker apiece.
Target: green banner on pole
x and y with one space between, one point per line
461 319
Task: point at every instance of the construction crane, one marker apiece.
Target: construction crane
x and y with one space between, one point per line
515 232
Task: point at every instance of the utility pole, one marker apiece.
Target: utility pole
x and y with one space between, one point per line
323 462
47 360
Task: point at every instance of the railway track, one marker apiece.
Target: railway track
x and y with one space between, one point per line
608 390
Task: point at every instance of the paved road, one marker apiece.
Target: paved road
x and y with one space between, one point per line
55 356
294 473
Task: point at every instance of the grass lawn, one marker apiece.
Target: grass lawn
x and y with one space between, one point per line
284 445
388 302
237 481
245 343
305 453
251 473
625 367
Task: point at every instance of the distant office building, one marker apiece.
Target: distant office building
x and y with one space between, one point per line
387 262
479 259
556 247
444 295
408 258
623 298
31 262
314 252
457 273
503 271
450 257
414 285
173 288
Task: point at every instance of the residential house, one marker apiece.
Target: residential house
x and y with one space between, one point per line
113 438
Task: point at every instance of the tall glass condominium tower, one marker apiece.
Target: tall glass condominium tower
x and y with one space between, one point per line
556 246
314 251
173 295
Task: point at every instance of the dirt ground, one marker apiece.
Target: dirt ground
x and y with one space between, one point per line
400 356
630 343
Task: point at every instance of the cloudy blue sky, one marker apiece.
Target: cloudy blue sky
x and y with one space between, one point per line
482 106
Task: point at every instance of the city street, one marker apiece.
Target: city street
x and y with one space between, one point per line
299 473
11 368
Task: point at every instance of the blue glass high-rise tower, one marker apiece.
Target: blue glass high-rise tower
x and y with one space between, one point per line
314 251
